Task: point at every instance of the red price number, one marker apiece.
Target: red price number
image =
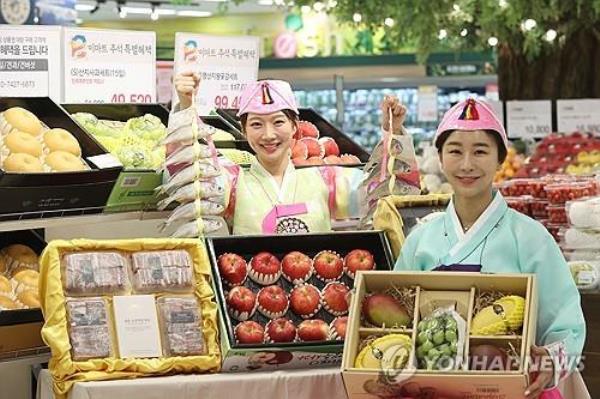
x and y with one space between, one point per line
226 102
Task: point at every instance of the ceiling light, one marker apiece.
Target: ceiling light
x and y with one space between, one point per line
503 3
318 6
551 35
389 22
456 7
137 10
464 32
265 2
122 12
493 41
305 9
332 4
442 34
529 24
357 17
194 13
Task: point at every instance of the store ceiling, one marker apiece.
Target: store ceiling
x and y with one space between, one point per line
89 10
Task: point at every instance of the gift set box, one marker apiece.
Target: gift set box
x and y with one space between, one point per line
457 335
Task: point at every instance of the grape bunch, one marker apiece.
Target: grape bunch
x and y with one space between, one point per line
437 343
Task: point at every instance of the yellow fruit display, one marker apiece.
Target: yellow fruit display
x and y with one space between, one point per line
503 316
510 166
388 352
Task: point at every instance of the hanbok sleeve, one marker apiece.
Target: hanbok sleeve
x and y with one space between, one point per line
345 194
407 260
560 325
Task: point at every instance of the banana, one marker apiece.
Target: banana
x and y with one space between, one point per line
389 351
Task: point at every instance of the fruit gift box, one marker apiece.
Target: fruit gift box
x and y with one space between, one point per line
439 334
284 300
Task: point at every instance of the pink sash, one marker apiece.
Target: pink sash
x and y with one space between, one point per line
269 224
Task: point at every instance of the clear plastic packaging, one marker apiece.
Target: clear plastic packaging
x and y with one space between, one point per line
441 340
584 214
89 328
95 273
181 326
557 214
585 274
539 208
559 193
153 271
581 239
520 204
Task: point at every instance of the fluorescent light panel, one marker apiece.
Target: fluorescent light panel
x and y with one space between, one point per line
84 7
194 13
165 11
137 10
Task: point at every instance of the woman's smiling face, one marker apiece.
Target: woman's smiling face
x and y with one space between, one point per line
270 136
469 161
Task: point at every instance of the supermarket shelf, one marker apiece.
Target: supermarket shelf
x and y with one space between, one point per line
42 223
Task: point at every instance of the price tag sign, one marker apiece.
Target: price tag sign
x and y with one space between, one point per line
578 115
225 65
529 119
427 105
30 61
107 66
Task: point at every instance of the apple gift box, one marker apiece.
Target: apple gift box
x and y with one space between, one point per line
299 353
411 375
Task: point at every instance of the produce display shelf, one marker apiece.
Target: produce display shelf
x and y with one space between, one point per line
374 331
29 221
496 337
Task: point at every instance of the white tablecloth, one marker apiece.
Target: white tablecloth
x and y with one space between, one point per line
293 384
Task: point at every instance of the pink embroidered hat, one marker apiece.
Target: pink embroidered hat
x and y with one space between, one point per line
266 97
471 114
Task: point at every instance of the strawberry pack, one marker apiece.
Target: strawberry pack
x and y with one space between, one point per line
289 296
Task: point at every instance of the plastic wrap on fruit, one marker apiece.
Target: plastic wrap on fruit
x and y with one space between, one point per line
190 154
585 274
200 189
199 227
197 171
441 340
147 127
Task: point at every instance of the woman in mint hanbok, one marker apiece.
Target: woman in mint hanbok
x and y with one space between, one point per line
479 232
273 196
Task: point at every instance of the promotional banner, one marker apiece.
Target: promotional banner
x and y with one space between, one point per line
529 119
30 61
578 115
225 65
106 66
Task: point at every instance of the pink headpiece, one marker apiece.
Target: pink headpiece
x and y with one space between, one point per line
266 97
471 114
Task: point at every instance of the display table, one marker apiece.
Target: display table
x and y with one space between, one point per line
292 384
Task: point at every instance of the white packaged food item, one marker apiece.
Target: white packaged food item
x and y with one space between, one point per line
585 274
157 271
89 329
585 213
95 273
181 326
581 239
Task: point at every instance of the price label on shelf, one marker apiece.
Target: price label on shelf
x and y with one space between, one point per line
107 66
427 104
578 115
30 61
529 119
225 65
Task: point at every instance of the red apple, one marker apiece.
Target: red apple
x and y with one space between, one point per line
349 159
330 146
314 148
358 259
332 160
328 266
241 302
338 327
299 150
314 161
313 330
305 300
300 162
296 267
264 268
307 129
280 330
232 268
249 332
336 298
272 301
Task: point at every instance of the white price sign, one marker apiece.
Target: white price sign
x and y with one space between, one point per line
107 66
427 105
529 119
30 61
578 115
225 65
